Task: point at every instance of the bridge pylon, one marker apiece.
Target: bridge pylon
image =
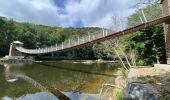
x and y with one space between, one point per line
165 12
13 51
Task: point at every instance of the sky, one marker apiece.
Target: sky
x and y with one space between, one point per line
67 13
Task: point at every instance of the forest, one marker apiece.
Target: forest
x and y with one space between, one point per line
148 44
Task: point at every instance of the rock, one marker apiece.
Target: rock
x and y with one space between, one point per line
139 90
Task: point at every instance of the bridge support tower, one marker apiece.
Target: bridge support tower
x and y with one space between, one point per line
165 12
13 51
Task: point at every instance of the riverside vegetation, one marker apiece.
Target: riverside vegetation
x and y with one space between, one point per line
148 44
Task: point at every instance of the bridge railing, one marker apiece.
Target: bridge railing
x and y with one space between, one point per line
68 43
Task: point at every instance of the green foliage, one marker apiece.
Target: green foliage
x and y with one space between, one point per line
7 34
99 51
35 36
78 53
135 18
164 98
149 42
119 94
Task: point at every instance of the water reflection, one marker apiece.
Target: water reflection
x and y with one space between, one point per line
36 96
50 96
75 80
77 70
12 75
11 72
31 81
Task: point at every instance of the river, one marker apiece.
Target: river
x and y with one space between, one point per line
77 80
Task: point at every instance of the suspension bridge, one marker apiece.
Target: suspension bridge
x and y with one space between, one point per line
105 34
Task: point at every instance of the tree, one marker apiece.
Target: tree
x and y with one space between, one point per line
151 12
7 34
149 43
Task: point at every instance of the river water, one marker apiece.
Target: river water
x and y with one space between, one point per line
35 81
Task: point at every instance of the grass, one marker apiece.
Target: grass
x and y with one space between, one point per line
118 92
118 95
164 98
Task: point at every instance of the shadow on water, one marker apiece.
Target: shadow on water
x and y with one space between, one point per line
76 70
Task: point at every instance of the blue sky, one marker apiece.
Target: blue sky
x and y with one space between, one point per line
67 13
60 3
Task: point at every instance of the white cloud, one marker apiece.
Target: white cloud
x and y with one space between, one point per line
34 11
95 13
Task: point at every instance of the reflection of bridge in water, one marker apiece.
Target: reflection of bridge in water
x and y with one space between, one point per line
77 70
14 75
105 34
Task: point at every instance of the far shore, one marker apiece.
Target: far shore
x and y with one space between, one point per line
84 61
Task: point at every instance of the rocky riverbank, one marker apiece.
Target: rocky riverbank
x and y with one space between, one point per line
15 60
148 83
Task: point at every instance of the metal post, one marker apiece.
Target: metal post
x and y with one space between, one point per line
103 32
144 15
121 25
141 20
89 36
51 48
83 39
69 43
78 40
93 37
62 45
106 33
56 47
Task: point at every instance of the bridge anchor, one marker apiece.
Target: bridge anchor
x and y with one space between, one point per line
165 12
13 51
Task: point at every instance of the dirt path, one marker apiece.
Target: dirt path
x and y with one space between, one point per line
147 71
